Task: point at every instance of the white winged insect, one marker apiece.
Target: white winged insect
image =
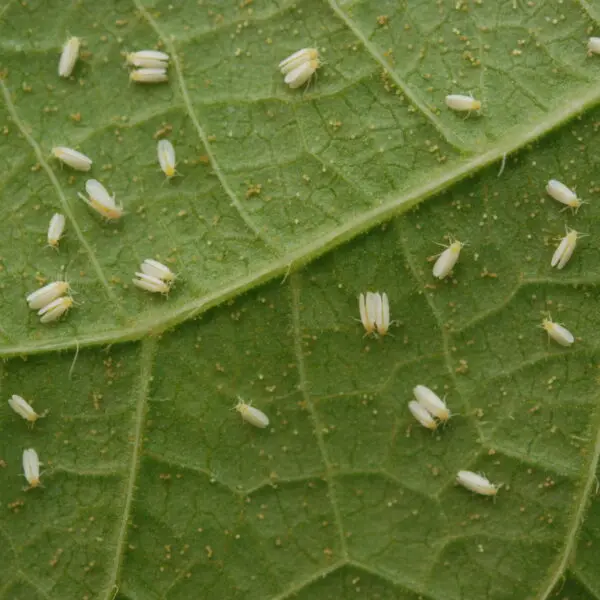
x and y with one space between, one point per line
563 194
24 409
447 259
477 483
374 311
69 56
421 414
429 400
462 103
301 74
73 158
565 249
157 269
55 310
297 59
56 229
148 59
594 45
47 294
166 157
101 201
560 334
151 284
155 75
252 415
31 468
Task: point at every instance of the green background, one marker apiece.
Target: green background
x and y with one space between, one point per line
289 204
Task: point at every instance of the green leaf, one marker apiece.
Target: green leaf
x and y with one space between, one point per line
289 204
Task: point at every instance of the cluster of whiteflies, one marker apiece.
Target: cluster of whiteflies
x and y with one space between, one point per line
98 197
154 277
51 301
428 408
149 66
31 462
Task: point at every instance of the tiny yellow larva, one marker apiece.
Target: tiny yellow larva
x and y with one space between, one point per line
69 56
23 408
31 467
476 483
462 103
56 229
166 157
429 400
561 335
421 414
47 294
447 259
101 201
71 157
149 75
53 311
252 415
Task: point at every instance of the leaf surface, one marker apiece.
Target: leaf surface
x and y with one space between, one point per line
289 204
